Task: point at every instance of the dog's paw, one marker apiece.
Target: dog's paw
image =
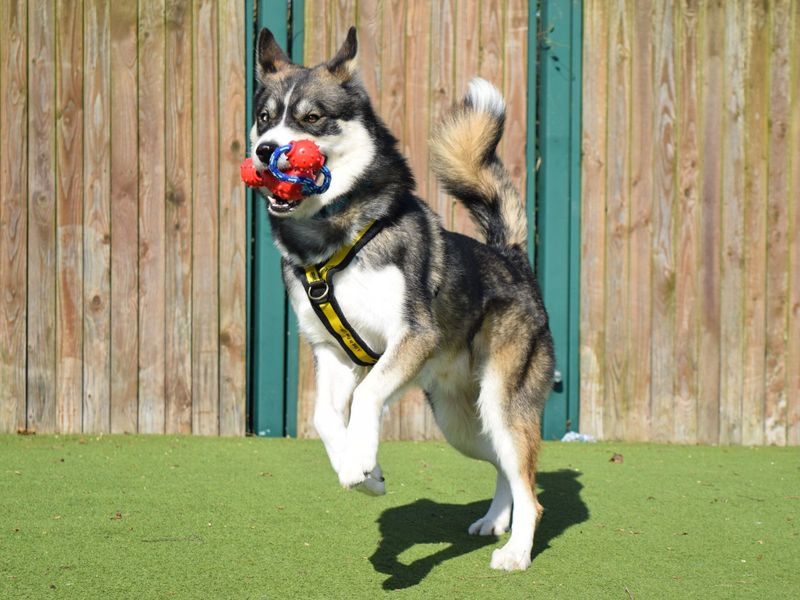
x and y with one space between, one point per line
490 525
511 559
353 472
356 464
351 475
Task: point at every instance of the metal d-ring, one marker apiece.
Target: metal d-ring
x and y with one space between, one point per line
318 291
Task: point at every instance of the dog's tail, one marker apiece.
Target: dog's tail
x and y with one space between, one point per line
464 158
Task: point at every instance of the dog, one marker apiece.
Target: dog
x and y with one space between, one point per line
406 302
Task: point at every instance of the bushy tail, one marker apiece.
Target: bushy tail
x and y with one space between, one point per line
463 156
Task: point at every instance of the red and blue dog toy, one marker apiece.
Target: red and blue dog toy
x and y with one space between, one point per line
299 180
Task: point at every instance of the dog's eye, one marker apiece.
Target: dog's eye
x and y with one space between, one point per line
263 116
311 118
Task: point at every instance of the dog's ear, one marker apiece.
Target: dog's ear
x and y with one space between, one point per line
344 64
270 58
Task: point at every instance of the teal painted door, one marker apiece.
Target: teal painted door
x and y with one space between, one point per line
556 147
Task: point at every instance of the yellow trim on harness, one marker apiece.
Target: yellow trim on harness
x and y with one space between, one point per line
314 274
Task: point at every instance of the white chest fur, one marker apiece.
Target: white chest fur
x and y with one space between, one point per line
371 300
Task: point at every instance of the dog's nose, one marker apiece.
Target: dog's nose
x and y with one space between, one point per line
264 151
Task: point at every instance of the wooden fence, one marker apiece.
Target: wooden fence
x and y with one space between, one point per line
122 248
122 218
416 59
690 288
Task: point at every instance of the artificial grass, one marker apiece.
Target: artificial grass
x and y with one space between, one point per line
177 517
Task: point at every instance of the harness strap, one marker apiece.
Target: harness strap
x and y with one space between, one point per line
318 283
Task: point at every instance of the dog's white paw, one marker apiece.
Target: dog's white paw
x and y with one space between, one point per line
355 470
511 559
490 525
351 475
358 461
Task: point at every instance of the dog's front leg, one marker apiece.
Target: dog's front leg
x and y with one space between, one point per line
336 379
399 364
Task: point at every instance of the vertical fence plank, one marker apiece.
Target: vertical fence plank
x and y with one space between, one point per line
414 418
306 390
343 16
593 223
492 42
393 104
317 26
663 330
41 354
515 90
13 217
709 266
369 41
205 269
617 225
637 385
442 86
69 214
152 309
686 236
178 215
232 236
392 93
416 128
124 219
778 191
97 219
756 142
478 53
732 276
793 329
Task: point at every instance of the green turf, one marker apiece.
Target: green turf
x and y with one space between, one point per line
166 517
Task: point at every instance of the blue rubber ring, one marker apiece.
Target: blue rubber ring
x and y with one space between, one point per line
309 185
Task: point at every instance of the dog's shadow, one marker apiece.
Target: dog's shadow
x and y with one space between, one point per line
429 522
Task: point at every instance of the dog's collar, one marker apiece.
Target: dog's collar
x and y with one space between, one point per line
318 283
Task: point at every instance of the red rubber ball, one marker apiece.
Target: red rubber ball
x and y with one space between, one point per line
305 154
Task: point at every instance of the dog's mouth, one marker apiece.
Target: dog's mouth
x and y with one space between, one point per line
280 207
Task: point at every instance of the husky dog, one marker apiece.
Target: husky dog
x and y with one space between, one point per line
462 319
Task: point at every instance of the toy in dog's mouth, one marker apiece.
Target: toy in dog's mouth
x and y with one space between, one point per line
288 186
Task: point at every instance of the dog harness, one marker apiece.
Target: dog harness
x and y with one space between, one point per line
318 283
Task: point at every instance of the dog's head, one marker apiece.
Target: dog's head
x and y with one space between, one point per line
326 103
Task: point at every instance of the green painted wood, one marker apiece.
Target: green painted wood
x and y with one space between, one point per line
268 311
558 199
576 104
291 363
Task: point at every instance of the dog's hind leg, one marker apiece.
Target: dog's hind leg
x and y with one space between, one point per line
515 441
516 554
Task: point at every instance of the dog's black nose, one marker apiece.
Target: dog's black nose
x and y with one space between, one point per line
264 151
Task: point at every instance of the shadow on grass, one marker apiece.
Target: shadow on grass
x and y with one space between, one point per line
429 522
563 506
